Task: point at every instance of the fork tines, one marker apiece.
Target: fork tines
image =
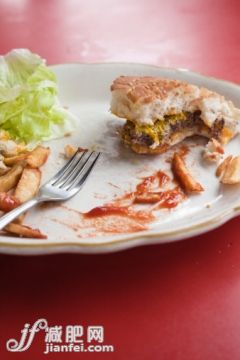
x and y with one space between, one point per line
76 170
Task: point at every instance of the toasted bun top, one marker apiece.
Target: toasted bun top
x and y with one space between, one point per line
146 89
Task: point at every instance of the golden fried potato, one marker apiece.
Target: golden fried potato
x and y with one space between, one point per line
182 174
222 167
231 174
28 185
10 161
10 179
38 156
24 231
148 198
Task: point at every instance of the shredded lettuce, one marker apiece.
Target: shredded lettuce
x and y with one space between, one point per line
29 106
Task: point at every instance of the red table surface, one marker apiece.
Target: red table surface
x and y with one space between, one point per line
172 301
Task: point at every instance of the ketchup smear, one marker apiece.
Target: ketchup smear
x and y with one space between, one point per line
108 210
171 198
149 181
167 199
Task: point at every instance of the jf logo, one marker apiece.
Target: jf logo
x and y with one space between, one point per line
27 336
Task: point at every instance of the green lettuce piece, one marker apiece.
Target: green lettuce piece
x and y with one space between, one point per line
29 106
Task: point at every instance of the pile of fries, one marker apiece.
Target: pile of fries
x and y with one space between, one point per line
20 179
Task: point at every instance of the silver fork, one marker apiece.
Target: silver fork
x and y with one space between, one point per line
64 185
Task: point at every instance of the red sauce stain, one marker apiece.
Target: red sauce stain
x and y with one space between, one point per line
73 227
121 211
157 179
122 215
69 210
8 202
123 201
146 184
171 198
166 199
141 195
112 225
163 178
107 210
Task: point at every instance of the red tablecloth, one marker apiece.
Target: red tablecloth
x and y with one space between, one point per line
175 301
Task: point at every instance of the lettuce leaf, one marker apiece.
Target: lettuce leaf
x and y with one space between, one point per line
29 106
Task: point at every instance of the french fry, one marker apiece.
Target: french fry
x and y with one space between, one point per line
24 231
8 202
183 176
10 161
38 156
231 174
148 198
3 167
28 185
222 167
10 179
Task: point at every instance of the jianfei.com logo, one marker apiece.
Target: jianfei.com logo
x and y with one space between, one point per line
58 338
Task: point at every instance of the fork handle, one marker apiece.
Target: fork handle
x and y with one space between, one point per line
13 214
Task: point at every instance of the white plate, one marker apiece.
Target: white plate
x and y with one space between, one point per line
85 89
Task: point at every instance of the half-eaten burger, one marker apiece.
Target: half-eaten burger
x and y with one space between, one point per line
162 112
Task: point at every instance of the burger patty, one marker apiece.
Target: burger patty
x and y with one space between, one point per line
162 130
